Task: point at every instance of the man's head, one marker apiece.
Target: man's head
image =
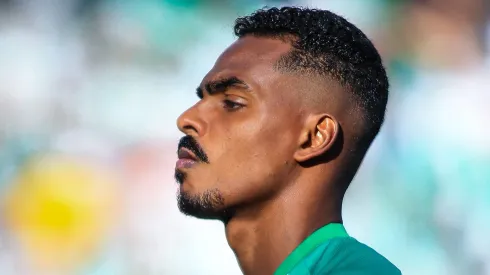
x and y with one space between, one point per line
299 96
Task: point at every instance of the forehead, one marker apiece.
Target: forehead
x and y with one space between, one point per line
251 59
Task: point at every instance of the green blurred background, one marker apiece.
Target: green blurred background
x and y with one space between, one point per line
90 92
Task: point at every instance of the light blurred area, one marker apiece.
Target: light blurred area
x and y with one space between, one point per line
90 92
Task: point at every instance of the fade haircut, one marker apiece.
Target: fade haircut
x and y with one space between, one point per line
328 45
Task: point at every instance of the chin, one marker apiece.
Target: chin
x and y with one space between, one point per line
209 205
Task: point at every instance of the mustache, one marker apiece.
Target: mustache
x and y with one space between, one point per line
191 144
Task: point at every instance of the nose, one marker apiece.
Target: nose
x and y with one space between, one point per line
190 123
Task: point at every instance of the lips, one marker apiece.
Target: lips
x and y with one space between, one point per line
187 158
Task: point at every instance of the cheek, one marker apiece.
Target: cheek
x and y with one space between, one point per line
253 159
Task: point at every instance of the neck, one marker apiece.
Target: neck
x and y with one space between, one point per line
263 236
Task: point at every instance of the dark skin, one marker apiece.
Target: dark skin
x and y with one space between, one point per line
265 132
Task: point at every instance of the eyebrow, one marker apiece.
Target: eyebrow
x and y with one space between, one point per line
221 85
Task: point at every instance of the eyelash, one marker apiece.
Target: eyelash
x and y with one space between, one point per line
231 105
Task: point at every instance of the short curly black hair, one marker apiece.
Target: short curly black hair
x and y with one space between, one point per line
327 44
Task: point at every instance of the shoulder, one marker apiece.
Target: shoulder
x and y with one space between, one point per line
348 256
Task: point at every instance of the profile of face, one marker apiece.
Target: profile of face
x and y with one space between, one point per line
242 137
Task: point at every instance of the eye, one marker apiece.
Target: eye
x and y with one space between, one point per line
230 105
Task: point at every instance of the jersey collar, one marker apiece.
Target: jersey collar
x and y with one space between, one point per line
320 236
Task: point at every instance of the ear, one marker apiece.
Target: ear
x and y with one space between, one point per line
317 138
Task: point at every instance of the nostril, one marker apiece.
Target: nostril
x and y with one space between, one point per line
190 128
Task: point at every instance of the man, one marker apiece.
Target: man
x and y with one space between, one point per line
286 116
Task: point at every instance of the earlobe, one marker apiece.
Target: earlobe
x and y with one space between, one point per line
318 137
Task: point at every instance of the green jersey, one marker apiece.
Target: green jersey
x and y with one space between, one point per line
330 250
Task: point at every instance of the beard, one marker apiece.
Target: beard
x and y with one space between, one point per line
208 205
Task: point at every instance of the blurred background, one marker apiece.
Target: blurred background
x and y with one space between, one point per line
90 91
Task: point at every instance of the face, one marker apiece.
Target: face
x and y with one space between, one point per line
241 136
